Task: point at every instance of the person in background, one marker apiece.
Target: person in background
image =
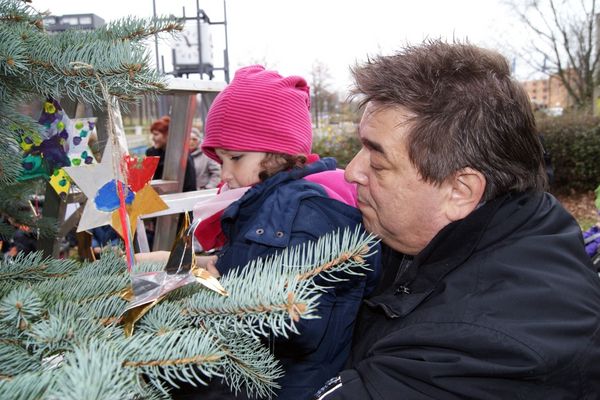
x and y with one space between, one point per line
103 236
160 132
208 172
487 292
25 239
23 242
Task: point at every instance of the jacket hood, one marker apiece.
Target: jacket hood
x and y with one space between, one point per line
275 214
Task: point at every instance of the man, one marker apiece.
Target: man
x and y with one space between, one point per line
487 292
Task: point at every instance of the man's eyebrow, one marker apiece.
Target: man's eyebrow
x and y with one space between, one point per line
374 146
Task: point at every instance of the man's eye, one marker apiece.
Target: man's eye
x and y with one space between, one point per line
236 158
375 167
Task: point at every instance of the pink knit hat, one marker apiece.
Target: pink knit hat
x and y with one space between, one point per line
260 111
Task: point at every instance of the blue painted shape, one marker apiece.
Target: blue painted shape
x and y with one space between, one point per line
107 198
53 152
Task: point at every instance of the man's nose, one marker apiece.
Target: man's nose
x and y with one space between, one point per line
355 170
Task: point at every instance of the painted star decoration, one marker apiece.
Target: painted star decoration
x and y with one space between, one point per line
64 143
99 183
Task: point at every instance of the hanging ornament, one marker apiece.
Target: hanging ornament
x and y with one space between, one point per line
98 184
140 171
63 142
147 289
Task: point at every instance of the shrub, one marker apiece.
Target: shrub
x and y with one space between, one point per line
573 142
337 142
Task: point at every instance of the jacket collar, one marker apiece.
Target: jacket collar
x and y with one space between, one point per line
454 244
450 248
196 152
275 213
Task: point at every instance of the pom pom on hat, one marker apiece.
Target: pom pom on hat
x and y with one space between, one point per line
260 111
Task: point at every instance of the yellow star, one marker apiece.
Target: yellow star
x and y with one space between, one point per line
146 201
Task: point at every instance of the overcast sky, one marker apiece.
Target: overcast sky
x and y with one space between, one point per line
290 35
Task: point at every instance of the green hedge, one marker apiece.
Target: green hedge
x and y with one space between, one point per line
572 140
337 143
574 145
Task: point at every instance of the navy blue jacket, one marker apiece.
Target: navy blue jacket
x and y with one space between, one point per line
283 211
504 304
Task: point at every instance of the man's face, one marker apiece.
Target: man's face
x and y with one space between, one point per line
397 204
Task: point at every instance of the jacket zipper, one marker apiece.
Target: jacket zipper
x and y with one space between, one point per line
402 286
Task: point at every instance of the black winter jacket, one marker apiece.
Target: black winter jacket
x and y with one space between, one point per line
189 178
501 305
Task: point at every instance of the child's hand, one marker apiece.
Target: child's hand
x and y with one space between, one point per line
153 256
208 263
210 267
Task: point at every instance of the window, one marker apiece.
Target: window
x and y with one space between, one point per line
70 20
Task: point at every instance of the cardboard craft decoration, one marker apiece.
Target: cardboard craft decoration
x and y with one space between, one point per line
64 142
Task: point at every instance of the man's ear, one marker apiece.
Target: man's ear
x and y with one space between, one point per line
466 190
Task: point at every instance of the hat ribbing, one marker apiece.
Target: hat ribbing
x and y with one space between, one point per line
260 111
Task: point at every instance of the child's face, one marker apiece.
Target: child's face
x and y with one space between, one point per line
240 168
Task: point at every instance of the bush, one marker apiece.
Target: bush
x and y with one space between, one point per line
338 143
574 145
573 141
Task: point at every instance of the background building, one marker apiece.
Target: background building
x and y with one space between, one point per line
59 23
548 93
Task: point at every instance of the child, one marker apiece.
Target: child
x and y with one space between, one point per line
259 130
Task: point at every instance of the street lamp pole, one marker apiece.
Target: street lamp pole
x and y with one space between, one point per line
155 38
226 51
161 106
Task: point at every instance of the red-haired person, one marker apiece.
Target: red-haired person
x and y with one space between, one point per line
160 132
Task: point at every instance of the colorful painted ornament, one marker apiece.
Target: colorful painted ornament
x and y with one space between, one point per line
64 142
99 183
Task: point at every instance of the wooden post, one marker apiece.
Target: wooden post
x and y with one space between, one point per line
176 157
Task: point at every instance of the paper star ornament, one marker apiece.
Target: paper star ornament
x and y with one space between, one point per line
148 288
99 183
64 142
140 171
93 180
146 201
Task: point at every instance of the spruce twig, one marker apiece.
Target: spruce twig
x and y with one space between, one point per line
64 329
35 65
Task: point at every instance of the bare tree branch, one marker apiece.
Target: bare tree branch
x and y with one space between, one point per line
321 79
563 43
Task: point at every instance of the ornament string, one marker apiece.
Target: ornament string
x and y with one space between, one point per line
119 165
